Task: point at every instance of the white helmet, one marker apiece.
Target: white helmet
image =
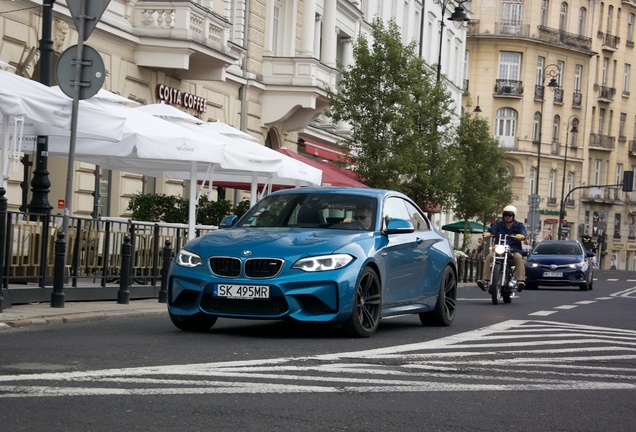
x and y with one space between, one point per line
511 209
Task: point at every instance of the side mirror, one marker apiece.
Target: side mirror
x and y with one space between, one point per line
399 226
228 221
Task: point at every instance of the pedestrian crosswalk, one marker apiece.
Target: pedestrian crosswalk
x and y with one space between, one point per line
512 355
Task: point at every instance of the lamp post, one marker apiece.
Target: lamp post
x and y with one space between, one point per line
550 71
575 130
40 183
458 16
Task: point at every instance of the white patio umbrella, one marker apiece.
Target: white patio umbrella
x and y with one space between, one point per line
30 108
149 143
245 160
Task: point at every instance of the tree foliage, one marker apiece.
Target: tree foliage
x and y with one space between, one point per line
402 135
485 180
174 209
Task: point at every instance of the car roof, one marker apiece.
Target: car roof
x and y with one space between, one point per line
559 247
371 192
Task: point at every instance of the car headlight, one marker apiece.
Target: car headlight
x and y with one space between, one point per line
534 265
499 249
188 259
579 265
323 262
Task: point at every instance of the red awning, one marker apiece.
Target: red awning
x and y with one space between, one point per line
331 174
324 151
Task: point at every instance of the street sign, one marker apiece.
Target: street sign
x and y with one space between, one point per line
93 72
94 11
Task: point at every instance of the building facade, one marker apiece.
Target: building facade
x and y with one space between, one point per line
262 66
553 79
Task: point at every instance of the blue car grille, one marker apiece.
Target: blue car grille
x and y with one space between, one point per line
225 267
272 306
257 268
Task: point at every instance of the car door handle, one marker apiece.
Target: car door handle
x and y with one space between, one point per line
419 240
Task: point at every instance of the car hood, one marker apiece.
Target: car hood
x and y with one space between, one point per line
274 241
555 259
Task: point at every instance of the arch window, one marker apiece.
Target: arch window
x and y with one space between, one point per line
582 19
555 134
563 15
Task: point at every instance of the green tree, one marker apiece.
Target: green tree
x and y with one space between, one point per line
484 178
401 131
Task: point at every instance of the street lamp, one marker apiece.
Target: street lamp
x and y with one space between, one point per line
40 183
550 71
574 119
458 16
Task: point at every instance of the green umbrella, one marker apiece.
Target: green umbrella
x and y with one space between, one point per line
461 226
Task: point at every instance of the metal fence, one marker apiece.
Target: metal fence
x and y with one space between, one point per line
92 264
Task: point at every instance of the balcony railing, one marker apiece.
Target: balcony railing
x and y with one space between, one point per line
606 93
513 28
558 96
559 37
577 98
632 147
610 41
508 88
602 142
552 200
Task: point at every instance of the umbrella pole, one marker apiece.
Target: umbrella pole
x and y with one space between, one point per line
192 216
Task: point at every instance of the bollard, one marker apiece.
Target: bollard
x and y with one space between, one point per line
167 260
460 269
57 296
3 229
123 295
466 263
472 268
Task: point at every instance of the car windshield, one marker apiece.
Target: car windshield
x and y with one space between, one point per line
557 249
313 210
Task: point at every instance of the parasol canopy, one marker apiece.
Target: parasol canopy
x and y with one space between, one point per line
462 226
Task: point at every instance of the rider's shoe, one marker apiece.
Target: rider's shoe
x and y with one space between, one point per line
483 284
520 286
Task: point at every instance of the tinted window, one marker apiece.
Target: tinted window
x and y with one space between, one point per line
395 208
304 210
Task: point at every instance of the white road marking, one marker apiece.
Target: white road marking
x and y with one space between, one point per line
585 302
566 307
542 313
513 355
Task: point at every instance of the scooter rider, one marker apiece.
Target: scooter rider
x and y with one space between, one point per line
510 227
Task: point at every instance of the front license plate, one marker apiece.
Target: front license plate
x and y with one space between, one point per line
241 291
552 274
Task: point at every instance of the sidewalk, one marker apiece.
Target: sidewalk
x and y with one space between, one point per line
42 313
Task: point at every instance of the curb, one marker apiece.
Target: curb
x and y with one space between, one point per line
77 317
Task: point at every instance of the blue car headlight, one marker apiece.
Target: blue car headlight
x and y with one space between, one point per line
323 262
188 259
579 265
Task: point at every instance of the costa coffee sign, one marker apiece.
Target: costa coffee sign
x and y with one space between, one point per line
175 96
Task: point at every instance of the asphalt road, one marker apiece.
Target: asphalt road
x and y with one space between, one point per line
553 360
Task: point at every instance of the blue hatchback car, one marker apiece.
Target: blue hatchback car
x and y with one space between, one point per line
560 263
328 255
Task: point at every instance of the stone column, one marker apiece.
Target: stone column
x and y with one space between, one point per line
309 27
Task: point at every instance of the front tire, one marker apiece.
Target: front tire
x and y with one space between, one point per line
367 305
194 323
495 286
444 312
